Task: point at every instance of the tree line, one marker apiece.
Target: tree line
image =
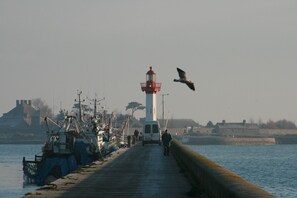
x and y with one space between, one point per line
280 124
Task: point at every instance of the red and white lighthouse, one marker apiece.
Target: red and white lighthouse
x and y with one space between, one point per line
151 87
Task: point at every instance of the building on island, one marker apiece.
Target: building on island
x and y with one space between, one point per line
22 115
236 129
21 124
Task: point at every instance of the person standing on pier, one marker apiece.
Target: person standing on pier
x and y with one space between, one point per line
166 138
136 133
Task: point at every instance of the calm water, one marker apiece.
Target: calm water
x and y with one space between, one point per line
11 169
271 167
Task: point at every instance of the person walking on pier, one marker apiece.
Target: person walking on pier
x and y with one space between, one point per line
166 138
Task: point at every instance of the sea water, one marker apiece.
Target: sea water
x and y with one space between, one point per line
11 169
271 167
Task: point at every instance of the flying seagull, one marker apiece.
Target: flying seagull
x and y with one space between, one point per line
183 79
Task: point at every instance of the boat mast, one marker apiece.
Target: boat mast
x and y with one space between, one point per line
96 102
79 105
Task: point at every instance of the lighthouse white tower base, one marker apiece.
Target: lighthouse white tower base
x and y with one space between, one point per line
151 110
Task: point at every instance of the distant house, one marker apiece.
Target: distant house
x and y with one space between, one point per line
236 128
178 123
176 126
175 123
22 115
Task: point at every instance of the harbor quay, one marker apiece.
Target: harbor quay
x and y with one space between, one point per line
143 171
138 171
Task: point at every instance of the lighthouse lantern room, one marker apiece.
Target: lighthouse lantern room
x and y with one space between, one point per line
151 87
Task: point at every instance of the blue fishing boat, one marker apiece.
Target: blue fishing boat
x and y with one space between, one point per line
70 143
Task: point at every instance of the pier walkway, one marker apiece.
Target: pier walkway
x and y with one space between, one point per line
140 171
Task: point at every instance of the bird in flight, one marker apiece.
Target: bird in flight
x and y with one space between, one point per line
183 79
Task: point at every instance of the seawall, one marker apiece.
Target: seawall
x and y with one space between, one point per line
217 140
217 181
220 140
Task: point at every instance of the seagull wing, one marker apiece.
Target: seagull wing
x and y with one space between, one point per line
190 85
182 74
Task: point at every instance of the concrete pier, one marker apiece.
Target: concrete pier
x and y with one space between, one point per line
143 171
140 171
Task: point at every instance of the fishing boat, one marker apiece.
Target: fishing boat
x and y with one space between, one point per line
70 143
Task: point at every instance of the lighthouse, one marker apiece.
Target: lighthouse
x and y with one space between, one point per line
152 133
151 87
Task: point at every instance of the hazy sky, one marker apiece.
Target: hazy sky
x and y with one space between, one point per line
240 54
